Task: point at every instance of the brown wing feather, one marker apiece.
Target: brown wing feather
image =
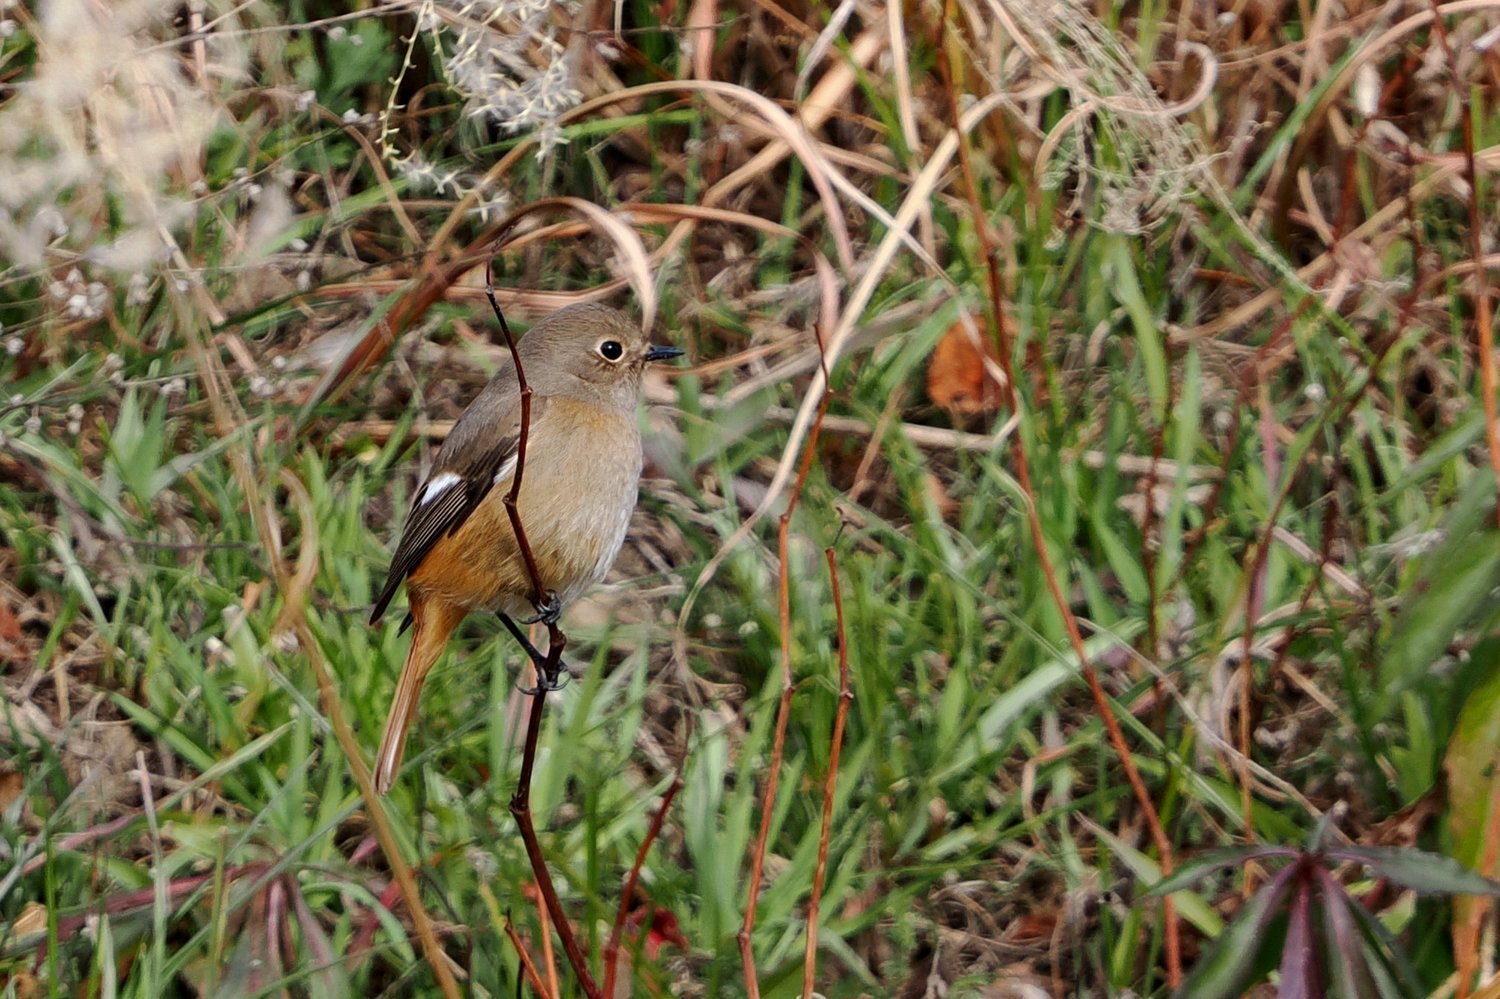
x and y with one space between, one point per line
439 517
483 440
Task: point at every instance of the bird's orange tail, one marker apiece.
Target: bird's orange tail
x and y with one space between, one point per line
433 621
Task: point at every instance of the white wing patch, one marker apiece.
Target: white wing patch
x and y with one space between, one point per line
439 484
506 470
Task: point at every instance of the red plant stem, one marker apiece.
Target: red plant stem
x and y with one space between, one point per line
830 784
527 965
520 807
627 893
783 710
520 802
538 591
129 901
1023 476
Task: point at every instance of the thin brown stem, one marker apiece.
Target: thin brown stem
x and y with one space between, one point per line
528 967
783 709
949 59
538 592
520 807
831 782
627 892
520 802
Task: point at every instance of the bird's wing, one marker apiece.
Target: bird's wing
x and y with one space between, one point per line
479 454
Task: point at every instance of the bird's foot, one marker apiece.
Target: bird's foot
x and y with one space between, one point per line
548 610
552 675
547 684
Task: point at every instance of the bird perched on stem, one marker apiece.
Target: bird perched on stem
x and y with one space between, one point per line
581 471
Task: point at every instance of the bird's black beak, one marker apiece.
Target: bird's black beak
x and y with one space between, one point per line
657 352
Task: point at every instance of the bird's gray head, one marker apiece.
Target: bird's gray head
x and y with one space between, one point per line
592 344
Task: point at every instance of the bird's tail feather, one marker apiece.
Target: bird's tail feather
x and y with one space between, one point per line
435 621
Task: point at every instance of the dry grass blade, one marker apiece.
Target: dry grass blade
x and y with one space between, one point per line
793 138
429 288
828 288
793 134
626 240
837 341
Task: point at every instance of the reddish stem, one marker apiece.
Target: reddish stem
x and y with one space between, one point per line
527 965
830 784
1023 476
520 802
784 600
627 893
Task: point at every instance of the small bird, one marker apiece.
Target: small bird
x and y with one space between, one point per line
583 467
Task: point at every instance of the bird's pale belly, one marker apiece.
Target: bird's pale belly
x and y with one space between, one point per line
575 536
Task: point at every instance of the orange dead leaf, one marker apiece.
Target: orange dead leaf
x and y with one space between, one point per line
957 378
10 625
11 786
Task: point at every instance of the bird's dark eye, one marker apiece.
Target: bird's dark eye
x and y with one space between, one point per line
611 350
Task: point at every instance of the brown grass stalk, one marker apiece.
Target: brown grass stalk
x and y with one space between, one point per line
528 966
229 420
831 782
549 958
783 708
948 68
627 891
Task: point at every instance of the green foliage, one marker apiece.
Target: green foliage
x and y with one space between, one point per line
1300 501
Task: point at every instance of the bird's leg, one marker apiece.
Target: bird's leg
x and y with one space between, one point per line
535 655
549 679
548 610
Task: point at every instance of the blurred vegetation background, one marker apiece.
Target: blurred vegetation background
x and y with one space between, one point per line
1158 467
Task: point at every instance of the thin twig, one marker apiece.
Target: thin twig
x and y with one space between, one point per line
946 66
538 591
520 801
830 784
549 958
527 964
627 893
783 709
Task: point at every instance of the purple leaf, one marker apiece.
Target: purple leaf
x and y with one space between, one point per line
1299 977
1223 969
